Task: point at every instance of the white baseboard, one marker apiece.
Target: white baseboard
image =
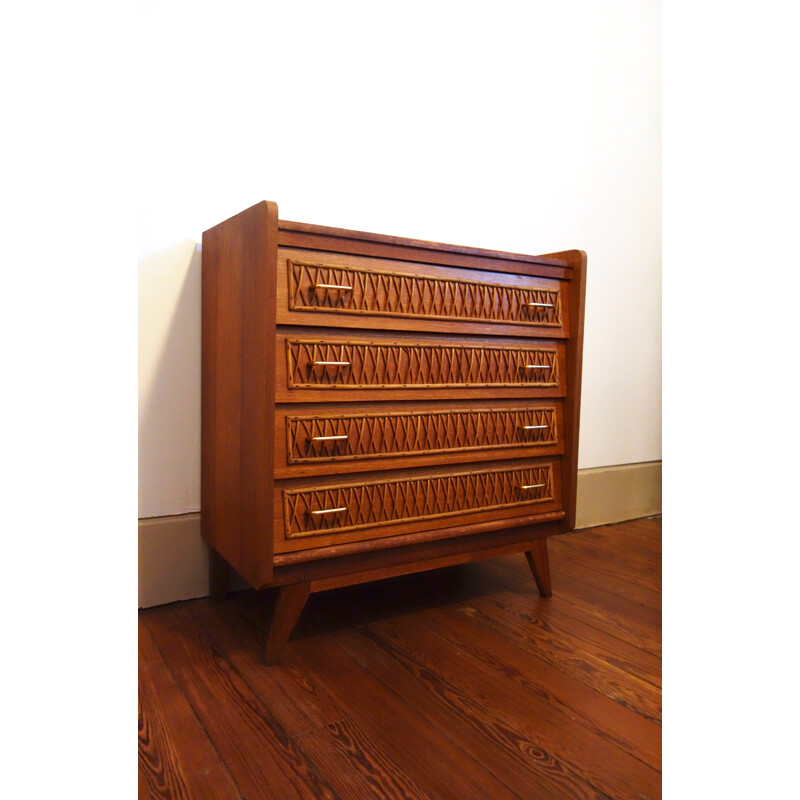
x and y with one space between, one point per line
173 558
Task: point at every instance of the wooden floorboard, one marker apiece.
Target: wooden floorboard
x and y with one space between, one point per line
448 685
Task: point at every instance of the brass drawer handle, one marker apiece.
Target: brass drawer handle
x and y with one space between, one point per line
533 486
335 286
329 511
534 427
540 305
538 366
331 363
330 438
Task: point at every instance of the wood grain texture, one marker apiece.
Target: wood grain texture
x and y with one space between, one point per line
462 682
238 379
511 713
483 536
574 373
287 227
539 564
394 502
298 702
383 505
334 289
177 761
478 350
371 773
288 606
259 754
356 367
326 439
408 250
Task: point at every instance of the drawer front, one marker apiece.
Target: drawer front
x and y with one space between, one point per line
435 435
385 507
334 289
340 364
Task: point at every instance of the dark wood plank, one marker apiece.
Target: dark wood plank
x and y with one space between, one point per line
176 757
623 727
501 706
439 749
355 767
298 703
629 622
624 673
619 557
342 233
313 241
596 573
257 751
457 683
645 531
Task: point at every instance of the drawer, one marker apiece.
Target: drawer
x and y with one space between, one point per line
316 288
314 516
323 440
318 368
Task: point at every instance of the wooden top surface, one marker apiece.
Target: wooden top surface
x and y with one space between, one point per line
343 233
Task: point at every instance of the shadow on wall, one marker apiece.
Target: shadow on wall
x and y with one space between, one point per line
169 381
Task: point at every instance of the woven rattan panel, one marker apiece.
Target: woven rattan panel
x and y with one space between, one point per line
344 508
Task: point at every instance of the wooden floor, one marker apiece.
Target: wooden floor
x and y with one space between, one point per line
455 684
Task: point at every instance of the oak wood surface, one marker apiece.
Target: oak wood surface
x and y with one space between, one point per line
574 372
409 545
402 435
398 295
444 551
238 376
367 376
299 316
390 504
547 268
287 226
463 682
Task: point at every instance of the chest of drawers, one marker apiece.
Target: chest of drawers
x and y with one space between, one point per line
375 406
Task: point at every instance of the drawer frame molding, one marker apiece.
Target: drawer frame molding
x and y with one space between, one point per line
315 439
331 363
342 289
372 504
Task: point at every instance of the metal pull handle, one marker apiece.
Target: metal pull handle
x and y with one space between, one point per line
331 363
335 286
539 305
328 438
532 486
328 511
538 366
534 427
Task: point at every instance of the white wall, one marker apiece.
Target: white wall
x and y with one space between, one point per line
529 127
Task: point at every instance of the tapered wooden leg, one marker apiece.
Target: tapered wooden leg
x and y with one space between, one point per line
540 566
219 576
291 600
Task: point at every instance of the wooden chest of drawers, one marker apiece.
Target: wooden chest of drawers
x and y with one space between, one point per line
374 406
